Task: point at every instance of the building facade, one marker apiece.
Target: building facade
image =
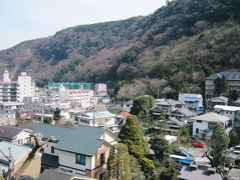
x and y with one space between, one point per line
233 79
25 86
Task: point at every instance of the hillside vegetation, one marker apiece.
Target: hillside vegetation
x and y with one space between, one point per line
171 50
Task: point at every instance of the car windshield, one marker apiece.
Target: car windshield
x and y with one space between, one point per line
237 148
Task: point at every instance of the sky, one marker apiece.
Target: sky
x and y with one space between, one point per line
22 20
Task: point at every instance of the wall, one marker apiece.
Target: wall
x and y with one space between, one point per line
201 126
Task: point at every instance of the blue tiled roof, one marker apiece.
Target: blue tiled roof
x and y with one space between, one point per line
192 99
81 139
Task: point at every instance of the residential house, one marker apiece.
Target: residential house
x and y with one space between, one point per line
8 117
221 100
20 154
233 79
233 112
174 124
182 114
98 119
128 105
82 150
165 105
192 101
204 124
14 134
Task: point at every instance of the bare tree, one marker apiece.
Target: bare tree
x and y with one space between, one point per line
39 144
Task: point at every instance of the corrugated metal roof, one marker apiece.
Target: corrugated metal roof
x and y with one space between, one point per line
80 139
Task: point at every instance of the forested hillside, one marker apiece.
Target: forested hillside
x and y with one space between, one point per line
172 50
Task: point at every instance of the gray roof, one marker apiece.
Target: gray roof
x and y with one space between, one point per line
228 75
176 121
50 174
212 117
30 126
80 139
185 111
9 132
219 99
169 102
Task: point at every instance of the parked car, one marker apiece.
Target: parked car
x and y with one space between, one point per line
182 152
198 144
235 150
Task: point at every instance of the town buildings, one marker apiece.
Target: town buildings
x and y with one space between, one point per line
192 101
233 79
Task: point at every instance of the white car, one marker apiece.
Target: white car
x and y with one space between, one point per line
236 149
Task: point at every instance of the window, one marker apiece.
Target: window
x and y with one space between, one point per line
199 121
52 149
80 159
197 130
102 158
211 125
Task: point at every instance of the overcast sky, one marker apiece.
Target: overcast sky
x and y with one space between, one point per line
22 20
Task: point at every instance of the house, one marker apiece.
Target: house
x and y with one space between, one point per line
233 112
192 101
14 135
204 124
50 174
99 118
165 105
183 114
128 105
82 150
233 79
175 124
221 100
20 154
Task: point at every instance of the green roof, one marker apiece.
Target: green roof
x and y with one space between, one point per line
80 139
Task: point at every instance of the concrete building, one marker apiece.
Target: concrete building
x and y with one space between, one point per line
233 112
100 89
82 150
25 86
8 89
233 79
221 100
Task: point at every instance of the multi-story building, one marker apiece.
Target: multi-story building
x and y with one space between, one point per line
192 101
233 79
25 86
100 89
8 89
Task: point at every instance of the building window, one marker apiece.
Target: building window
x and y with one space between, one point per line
52 149
80 159
199 121
102 158
197 130
211 125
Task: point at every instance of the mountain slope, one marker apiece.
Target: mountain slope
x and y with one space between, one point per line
170 50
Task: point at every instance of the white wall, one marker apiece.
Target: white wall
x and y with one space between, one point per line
201 126
22 137
25 88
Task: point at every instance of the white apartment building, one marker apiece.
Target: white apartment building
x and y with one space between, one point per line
100 89
25 86
8 89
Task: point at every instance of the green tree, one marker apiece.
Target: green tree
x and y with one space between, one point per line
169 174
131 134
217 152
57 114
184 135
142 105
221 85
147 166
233 96
119 163
47 120
234 138
160 146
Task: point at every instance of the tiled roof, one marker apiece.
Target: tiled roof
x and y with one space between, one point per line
176 121
9 132
80 139
125 114
228 75
30 126
219 99
187 112
168 102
